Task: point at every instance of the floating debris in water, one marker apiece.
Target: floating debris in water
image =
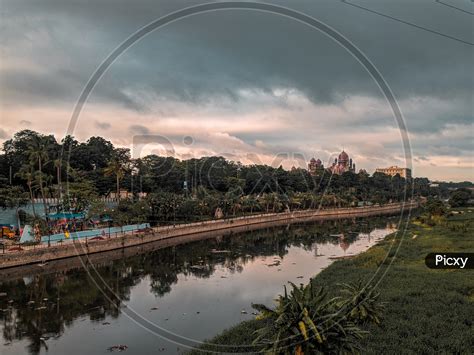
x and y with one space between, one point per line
153 308
276 263
40 308
118 348
106 323
300 277
243 311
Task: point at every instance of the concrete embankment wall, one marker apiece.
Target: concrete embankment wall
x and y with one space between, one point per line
180 232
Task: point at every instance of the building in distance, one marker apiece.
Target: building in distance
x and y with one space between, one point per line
394 170
315 165
341 165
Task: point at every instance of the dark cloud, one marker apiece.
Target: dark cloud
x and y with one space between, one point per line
227 58
220 53
25 123
102 125
139 129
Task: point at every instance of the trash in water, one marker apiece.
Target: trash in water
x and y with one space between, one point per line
105 323
118 348
243 311
153 308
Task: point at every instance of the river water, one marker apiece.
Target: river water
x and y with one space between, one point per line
165 300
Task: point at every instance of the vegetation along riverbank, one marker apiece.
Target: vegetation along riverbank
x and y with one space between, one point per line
424 310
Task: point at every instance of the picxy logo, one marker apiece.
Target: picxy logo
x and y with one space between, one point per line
450 260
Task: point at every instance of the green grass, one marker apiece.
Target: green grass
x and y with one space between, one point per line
427 311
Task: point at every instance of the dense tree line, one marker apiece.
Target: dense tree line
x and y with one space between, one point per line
77 173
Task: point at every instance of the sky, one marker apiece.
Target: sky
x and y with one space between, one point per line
251 86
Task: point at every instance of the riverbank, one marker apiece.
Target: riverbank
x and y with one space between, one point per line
30 255
427 311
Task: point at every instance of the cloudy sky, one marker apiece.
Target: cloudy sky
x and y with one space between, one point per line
248 85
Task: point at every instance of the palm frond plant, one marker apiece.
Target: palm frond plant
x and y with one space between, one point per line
306 321
360 302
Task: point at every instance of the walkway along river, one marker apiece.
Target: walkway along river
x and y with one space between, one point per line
43 253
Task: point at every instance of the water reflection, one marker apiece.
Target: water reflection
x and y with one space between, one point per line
194 290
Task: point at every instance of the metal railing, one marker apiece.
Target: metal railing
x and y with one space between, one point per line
17 247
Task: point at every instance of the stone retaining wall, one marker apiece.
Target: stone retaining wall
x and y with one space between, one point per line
84 247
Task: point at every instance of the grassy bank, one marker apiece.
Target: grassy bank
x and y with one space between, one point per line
427 311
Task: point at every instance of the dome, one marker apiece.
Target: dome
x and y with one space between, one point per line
318 161
343 156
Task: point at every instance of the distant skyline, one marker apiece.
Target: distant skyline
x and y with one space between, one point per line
252 87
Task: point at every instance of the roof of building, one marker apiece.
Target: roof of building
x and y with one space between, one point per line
343 156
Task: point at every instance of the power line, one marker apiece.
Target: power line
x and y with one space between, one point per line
407 23
454 7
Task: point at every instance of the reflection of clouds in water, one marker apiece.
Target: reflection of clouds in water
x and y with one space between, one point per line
218 278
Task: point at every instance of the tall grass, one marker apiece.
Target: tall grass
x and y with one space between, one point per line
426 311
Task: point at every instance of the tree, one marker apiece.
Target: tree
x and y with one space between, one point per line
38 154
435 207
80 194
460 198
118 166
26 173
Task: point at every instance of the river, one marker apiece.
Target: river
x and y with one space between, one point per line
165 300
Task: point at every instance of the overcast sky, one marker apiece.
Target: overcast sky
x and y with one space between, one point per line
251 86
